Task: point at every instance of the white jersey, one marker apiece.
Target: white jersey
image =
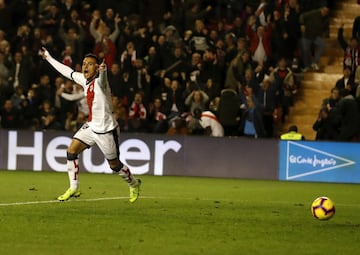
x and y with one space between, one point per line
98 96
208 119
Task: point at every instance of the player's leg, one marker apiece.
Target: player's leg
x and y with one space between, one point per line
134 184
75 148
82 139
109 145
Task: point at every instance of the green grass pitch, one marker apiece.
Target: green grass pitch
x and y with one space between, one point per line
175 215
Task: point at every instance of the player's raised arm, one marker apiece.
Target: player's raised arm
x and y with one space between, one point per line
103 74
60 67
102 66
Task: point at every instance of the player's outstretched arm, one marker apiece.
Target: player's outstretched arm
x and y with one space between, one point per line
60 67
102 74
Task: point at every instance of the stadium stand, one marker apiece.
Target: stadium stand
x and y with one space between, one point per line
178 49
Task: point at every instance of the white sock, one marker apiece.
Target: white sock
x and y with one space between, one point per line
127 176
73 173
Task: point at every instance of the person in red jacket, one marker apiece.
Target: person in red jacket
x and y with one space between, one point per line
260 39
106 49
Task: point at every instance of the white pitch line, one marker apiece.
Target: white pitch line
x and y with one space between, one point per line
72 200
28 203
152 197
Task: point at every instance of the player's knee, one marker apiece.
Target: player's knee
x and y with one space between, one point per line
117 167
71 156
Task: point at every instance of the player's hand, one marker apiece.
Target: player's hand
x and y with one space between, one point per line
102 66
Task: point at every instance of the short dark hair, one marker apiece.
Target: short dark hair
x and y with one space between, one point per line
293 128
197 113
91 55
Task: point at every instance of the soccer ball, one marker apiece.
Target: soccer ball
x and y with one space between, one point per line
322 208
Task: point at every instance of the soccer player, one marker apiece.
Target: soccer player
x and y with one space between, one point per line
101 128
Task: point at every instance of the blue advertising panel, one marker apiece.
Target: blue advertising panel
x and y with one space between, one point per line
319 161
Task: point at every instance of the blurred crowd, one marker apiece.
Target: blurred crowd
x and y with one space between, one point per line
339 115
217 68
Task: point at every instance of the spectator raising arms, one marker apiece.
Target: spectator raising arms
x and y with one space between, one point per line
197 99
351 50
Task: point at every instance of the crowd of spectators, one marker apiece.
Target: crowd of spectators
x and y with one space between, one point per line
234 61
339 115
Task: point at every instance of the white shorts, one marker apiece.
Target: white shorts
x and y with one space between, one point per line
108 142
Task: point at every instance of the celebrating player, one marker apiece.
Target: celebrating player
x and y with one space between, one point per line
101 128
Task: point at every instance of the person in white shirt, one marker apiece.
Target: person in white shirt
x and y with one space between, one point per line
101 127
209 123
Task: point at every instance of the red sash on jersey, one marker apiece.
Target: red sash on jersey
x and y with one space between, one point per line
90 98
210 116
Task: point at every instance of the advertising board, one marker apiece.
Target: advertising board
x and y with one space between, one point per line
228 157
319 161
